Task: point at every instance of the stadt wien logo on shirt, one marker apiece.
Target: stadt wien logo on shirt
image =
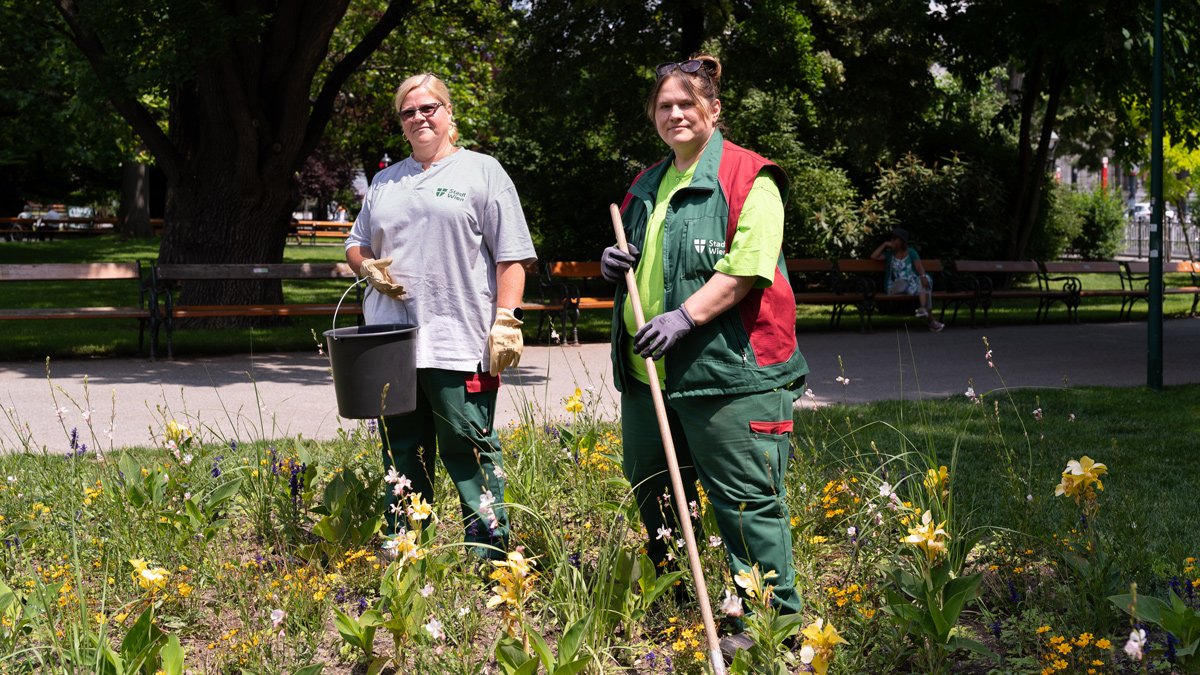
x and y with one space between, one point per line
714 246
451 193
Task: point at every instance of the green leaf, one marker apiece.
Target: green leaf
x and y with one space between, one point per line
1148 608
221 494
311 669
172 656
958 592
970 645
378 665
573 667
540 648
142 638
568 644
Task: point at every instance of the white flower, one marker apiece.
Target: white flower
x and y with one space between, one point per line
12 479
808 392
885 490
426 590
486 500
732 604
1029 498
499 473
714 542
1037 414
807 653
187 460
434 628
1071 417
694 508
277 617
86 415
680 543
852 531
842 380
664 533
970 393
1137 641
392 475
60 412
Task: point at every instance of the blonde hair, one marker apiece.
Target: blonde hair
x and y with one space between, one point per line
704 85
436 88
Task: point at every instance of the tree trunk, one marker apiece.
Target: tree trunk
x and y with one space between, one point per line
1058 80
1031 92
133 216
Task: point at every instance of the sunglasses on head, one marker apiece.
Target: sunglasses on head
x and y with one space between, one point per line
425 110
690 66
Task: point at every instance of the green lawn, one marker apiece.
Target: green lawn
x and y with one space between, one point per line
79 338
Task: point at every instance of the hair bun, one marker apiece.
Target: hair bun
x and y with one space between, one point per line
712 65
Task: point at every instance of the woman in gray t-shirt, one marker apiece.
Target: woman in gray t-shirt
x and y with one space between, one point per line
442 239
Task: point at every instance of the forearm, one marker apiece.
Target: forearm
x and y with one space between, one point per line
720 293
355 256
510 284
877 254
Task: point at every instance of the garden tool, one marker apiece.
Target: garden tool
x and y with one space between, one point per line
664 429
380 279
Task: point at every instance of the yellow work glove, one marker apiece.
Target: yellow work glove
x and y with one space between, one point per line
504 341
375 272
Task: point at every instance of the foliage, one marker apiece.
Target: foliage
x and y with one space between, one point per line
1062 223
1101 224
1173 616
952 209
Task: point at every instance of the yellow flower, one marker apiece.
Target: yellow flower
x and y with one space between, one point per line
1043 629
177 433
420 509
937 480
1103 643
150 579
754 582
1078 478
928 537
575 402
820 639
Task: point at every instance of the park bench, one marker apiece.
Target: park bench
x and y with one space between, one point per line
815 281
994 279
552 299
868 276
167 280
1137 277
321 229
128 272
585 288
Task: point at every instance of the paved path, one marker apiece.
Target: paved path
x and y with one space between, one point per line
275 395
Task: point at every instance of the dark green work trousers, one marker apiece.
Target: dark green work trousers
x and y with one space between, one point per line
738 447
454 418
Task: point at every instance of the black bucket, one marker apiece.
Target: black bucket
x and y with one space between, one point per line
365 360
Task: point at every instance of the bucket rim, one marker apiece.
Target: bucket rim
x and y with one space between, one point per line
356 331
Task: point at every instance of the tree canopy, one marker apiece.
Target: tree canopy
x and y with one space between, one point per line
866 104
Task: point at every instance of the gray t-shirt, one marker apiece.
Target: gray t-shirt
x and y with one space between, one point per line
445 229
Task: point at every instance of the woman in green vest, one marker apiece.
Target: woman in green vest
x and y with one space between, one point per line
705 228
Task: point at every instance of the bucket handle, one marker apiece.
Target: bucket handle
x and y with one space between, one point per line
370 288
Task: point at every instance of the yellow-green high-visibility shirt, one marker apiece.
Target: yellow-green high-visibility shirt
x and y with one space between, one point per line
754 252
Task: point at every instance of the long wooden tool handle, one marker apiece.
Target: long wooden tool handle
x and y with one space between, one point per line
664 429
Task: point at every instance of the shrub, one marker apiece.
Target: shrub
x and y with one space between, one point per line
1061 222
953 209
1101 224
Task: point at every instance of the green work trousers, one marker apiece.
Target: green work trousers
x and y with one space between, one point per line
454 418
738 447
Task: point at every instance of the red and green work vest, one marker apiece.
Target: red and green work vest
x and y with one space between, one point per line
749 348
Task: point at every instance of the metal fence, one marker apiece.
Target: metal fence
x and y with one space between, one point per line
1179 242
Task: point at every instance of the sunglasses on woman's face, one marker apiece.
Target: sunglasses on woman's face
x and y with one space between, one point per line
690 66
425 110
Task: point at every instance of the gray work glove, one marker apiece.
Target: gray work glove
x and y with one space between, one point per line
375 272
614 262
662 332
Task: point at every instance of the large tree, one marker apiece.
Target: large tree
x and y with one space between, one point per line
249 94
1074 67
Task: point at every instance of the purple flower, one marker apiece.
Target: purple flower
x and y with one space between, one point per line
216 468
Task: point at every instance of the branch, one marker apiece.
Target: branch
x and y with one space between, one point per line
322 108
138 116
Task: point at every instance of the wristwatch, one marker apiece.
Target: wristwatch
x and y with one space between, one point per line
518 313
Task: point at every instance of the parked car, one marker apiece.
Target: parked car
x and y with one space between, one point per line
1143 210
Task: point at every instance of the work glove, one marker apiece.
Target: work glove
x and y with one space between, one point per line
504 341
376 274
662 332
614 262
